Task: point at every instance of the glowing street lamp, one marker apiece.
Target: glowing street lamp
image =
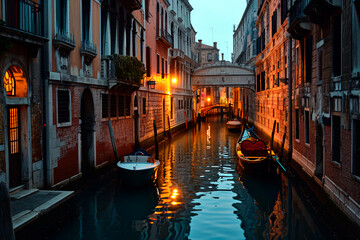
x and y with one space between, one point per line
208 99
174 80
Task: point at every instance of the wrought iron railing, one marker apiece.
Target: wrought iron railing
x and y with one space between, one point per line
24 15
88 47
65 37
297 10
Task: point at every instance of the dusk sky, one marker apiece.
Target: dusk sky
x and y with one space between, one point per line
214 21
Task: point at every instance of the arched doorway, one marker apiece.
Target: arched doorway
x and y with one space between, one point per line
87 131
16 122
136 123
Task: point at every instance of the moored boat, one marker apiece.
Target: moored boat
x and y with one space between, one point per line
234 125
253 153
138 168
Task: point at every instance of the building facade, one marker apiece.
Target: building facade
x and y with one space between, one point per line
182 61
271 69
307 79
205 54
245 35
325 90
22 40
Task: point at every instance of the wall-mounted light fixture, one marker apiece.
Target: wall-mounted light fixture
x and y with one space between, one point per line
174 80
151 83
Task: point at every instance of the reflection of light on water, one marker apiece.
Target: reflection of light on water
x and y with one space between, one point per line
208 137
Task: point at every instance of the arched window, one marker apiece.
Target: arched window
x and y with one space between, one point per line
15 83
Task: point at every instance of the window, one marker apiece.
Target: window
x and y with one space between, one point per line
86 20
104 105
63 107
277 127
297 124
308 63
355 48
307 126
134 34
121 105
172 107
162 68
9 83
113 108
142 40
144 105
158 63
61 15
356 147
166 66
148 62
274 22
127 105
335 138
320 65
209 57
336 45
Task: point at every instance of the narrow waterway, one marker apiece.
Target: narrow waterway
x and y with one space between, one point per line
201 194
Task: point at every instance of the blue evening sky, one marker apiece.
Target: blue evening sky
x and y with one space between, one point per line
214 20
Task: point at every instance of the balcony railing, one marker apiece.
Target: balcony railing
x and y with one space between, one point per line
24 15
299 24
88 49
64 40
297 10
166 38
114 72
177 53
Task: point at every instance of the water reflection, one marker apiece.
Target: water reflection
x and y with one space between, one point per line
200 194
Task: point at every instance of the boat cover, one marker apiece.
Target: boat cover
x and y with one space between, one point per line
250 148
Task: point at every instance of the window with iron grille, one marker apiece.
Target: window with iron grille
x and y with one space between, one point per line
297 123
104 105
63 106
113 105
307 126
144 106
121 105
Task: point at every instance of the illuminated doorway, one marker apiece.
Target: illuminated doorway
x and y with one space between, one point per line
17 131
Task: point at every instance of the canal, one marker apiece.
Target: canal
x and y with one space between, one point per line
201 194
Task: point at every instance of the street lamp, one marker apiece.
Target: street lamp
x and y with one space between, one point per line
208 99
174 80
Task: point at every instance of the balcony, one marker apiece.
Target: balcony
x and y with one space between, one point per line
319 11
133 4
64 41
299 25
88 49
177 53
122 72
165 38
23 22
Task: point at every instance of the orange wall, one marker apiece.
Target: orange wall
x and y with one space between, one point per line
75 28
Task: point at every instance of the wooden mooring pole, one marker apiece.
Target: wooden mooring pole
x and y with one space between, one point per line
272 136
6 226
156 142
113 143
186 123
169 126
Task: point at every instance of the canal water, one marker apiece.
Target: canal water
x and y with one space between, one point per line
201 193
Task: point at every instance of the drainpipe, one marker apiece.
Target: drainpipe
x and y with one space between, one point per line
290 92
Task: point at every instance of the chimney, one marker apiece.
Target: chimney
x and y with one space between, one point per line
200 41
222 57
215 44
